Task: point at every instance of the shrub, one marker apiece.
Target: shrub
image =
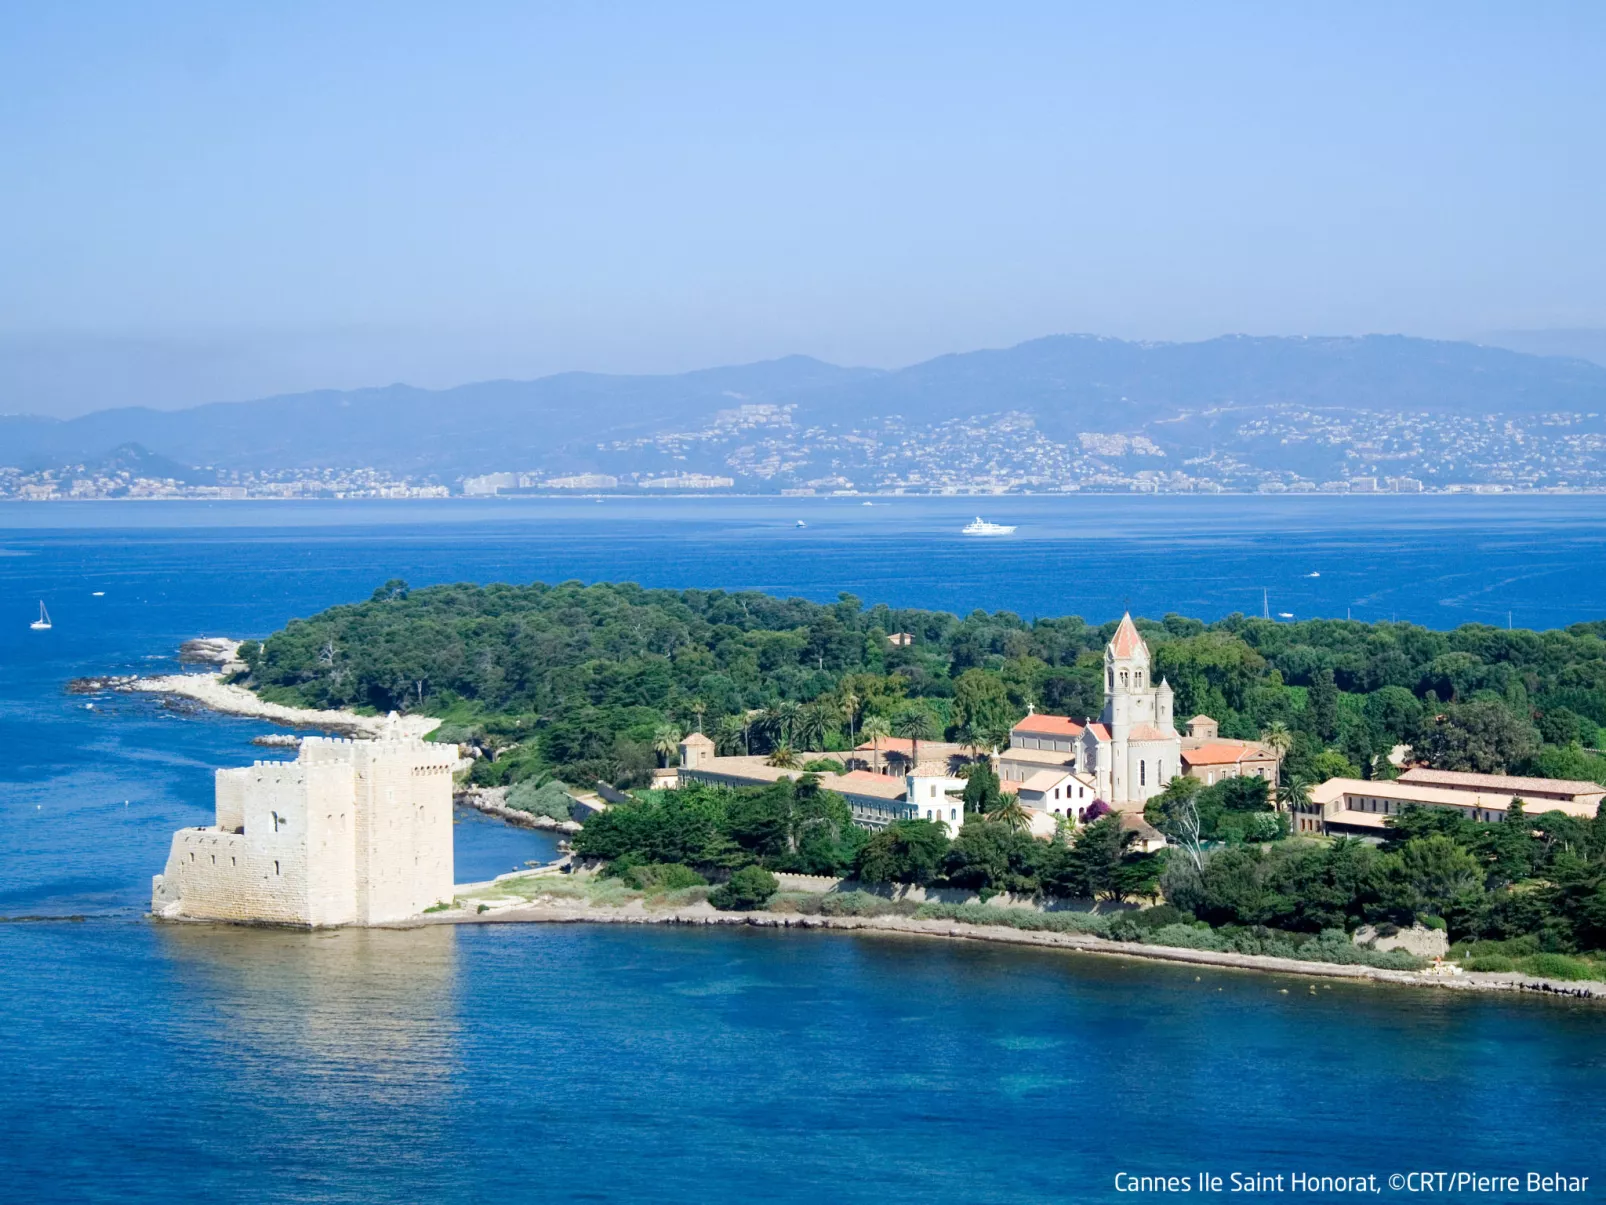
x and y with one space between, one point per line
1559 966
1016 918
549 799
1432 922
749 888
660 876
860 903
823 765
1187 937
1488 962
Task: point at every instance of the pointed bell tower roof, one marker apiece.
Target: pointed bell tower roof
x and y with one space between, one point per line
1126 641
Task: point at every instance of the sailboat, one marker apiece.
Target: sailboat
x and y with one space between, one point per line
42 624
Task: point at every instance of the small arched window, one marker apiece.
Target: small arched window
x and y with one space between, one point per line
1137 677
1125 678
1143 773
953 813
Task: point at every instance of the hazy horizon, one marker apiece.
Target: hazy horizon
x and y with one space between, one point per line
209 205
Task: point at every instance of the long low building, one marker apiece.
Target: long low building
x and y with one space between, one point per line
1359 808
876 799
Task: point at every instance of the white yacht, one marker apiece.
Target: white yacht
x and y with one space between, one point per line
42 624
983 528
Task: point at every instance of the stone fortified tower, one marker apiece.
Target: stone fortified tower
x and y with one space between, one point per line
351 832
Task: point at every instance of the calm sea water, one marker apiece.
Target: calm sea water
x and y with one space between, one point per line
144 1062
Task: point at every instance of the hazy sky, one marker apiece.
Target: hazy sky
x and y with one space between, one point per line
249 198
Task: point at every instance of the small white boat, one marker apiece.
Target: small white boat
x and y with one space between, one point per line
1285 614
983 528
800 523
98 594
42 624
867 504
1316 573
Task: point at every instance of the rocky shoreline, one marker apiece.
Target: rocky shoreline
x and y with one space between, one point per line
489 801
704 915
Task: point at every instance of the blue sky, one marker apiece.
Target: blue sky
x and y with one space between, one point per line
356 193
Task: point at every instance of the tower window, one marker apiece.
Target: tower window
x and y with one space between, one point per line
1137 677
1143 773
275 867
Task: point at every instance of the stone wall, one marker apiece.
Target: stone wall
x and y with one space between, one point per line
349 832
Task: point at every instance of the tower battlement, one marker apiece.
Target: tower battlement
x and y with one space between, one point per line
350 832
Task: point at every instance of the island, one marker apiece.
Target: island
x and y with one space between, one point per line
1372 796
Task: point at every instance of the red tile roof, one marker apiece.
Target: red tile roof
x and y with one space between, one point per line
892 744
1221 755
1048 725
1126 640
1100 731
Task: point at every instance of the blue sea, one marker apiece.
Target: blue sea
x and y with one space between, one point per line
143 1062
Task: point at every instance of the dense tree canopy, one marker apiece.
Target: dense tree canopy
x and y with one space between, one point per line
577 680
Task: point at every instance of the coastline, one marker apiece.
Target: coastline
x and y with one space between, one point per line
704 915
209 690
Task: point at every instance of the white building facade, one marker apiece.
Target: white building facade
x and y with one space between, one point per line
1134 749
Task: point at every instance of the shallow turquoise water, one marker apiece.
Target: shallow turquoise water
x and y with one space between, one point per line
144 1062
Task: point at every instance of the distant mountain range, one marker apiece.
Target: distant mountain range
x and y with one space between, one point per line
1186 399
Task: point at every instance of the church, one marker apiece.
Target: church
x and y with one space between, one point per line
1133 749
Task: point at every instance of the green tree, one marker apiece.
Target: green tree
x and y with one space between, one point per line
1436 871
982 791
981 702
1009 813
665 742
1481 736
906 851
915 724
1321 705
747 889
783 757
875 729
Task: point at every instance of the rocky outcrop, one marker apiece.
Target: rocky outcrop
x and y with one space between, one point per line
1418 939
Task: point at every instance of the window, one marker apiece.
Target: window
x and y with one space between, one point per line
276 867
928 813
1137 677
1125 678
1109 679
275 821
953 813
1143 773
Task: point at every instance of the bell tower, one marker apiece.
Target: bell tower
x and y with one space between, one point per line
1129 693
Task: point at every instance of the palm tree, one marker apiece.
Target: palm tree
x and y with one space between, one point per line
850 709
782 757
729 731
915 725
876 729
698 707
665 742
1276 737
1011 813
812 722
1294 795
